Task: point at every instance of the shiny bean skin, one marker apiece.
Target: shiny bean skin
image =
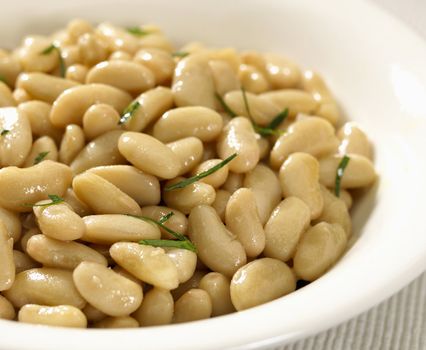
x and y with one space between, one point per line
111 228
253 79
312 135
117 322
21 96
160 62
58 316
42 145
149 154
266 189
224 76
44 87
26 236
194 305
233 182
218 288
77 73
30 58
7 312
218 178
102 150
117 38
260 281
143 188
217 247
185 262
6 97
66 255
156 309
152 104
23 261
358 173
346 197
149 264
93 314
318 250
72 143
242 219
44 286
97 192
178 222
19 187
16 144
201 122
193 282
125 75
219 204
189 151
76 204
7 263
10 68
59 221
98 119
238 136
92 50
12 223
281 72
106 290
354 140
306 187
187 198
71 105
284 228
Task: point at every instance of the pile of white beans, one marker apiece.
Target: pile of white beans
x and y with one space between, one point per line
261 223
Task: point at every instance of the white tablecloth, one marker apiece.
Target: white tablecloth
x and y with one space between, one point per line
399 323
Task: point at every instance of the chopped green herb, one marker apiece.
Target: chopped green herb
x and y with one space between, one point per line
186 244
40 157
54 47
180 54
264 131
201 175
178 235
4 132
226 108
339 174
246 104
128 112
166 217
137 31
276 122
55 199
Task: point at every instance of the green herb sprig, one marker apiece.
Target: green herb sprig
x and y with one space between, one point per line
180 54
339 174
40 157
55 199
201 175
128 112
137 31
225 107
166 217
4 132
54 47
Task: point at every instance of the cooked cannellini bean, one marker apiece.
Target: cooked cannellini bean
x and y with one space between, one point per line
117 322
285 227
281 72
44 286
16 144
312 135
159 61
7 312
353 140
103 150
156 309
44 147
77 73
318 250
106 290
190 196
125 75
117 38
111 228
219 204
7 263
149 264
152 104
6 96
252 79
149 154
93 314
185 262
30 58
21 96
266 189
99 119
201 122
43 86
66 255
224 76
194 305
346 197
216 246
216 179
71 105
59 316
92 50
97 193
358 173
193 282
189 151
242 219
72 143
12 223
305 187
238 136
218 288
23 261
59 221
76 204
26 236
20 187
10 68
178 222
233 182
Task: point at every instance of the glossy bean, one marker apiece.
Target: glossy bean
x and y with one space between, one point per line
194 305
218 288
57 316
156 309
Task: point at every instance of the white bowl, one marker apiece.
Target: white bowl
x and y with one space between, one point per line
376 68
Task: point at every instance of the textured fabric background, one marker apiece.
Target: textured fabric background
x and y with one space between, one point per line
399 323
